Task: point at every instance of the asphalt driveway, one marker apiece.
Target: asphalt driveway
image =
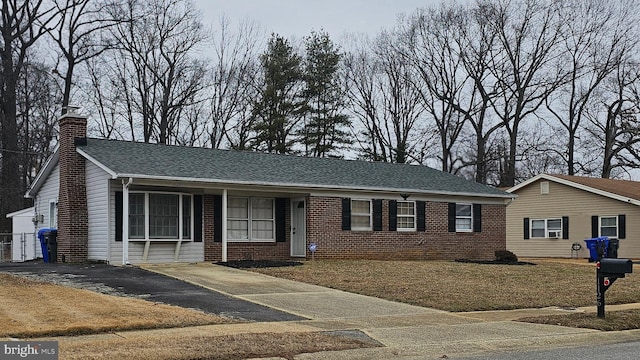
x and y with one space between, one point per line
136 282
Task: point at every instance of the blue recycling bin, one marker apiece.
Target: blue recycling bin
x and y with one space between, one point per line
48 244
43 243
595 245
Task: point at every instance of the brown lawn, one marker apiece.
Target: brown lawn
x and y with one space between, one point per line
35 309
456 286
31 308
227 347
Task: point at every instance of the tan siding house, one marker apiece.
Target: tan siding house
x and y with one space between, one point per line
552 212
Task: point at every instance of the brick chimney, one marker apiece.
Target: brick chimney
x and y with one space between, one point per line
72 196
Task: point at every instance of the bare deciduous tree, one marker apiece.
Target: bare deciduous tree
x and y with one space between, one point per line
440 79
80 35
159 72
233 78
22 23
384 101
523 64
614 122
596 37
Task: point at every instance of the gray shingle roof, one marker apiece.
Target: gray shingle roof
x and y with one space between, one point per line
133 159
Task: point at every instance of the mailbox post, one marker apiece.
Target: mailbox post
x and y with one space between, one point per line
608 270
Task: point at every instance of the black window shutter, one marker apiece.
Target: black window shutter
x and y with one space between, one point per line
622 226
420 216
594 227
565 227
452 217
525 224
477 218
377 214
346 214
197 218
393 215
119 210
217 218
281 219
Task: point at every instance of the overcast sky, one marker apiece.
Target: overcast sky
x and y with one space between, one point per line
296 18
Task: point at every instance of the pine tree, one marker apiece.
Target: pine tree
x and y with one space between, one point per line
277 110
325 127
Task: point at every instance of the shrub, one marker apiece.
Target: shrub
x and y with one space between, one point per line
506 256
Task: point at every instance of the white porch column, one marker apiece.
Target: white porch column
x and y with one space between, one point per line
125 221
224 225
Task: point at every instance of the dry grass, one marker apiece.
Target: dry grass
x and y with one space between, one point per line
36 309
456 286
31 309
614 320
240 346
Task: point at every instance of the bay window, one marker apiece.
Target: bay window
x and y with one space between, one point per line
156 215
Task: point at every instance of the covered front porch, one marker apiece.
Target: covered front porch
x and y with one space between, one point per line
169 221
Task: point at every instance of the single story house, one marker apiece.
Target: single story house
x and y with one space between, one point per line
552 212
24 246
128 202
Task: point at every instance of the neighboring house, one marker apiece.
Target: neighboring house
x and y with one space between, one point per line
552 212
128 202
24 246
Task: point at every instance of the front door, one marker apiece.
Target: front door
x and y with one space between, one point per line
298 238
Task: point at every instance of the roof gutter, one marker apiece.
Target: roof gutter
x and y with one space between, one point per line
314 186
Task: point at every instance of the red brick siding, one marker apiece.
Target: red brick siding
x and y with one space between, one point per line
324 228
243 250
72 197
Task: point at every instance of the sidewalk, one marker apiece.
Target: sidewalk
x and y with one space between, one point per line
406 331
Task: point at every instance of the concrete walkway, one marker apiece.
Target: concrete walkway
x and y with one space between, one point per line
407 331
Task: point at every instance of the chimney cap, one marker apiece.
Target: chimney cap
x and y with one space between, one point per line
71 109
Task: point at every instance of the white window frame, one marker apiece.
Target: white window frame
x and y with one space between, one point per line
616 227
399 216
370 215
251 218
181 236
470 217
547 230
53 213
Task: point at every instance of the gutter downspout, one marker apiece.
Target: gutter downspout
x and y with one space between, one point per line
125 221
224 225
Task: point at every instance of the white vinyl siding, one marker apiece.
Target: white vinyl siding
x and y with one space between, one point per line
97 212
46 193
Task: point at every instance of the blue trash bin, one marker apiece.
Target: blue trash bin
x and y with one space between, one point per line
43 243
48 244
595 244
